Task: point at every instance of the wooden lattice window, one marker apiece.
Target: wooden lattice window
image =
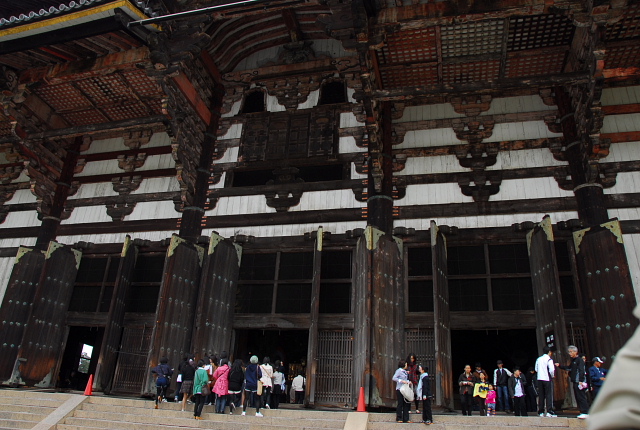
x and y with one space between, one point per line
539 31
334 376
94 284
473 38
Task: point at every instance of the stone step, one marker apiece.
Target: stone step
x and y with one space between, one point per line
15 424
459 422
22 415
16 407
239 423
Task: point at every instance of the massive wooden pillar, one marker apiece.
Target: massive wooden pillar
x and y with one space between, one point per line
175 313
16 307
551 329
312 346
380 187
43 341
115 318
442 321
217 297
607 290
378 316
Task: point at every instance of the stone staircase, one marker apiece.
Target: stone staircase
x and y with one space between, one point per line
133 414
38 410
23 409
476 422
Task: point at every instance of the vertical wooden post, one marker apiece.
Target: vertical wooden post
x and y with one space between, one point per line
312 346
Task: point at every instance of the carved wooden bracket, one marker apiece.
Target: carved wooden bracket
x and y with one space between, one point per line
212 200
10 173
126 185
474 129
11 91
471 105
398 133
283 197
360 191
135 139
129 163
598 174
399 188
117 211
293 90
480 186
399 162
477 156
548 96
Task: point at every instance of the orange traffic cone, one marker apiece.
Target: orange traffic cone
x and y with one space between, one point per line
361 406
89 390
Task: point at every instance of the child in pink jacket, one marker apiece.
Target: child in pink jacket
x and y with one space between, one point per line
491 400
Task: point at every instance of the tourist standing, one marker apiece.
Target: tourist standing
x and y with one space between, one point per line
221 386
466 382
545 372
424 393
500 379
412 369
200 381
297 386
598 375
491 400
278 383
517 392
480 392
267 382
236 379
578 379
532 394
401 377
188 373
251 376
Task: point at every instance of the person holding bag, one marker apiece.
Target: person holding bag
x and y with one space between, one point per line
267 382
401 377
251 376
221 386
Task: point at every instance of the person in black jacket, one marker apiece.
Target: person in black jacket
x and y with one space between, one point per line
424 393
517 392
236 379
163 374
578 378
466 382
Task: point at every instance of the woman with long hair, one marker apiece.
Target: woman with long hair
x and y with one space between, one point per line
267 381
200 380
236 379
221 386
412 369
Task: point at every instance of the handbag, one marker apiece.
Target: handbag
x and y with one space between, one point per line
206 390
407 392
260 386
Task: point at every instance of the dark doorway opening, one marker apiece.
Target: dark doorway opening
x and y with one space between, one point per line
516 347
289 346
80 357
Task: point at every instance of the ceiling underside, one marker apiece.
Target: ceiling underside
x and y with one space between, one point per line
428 55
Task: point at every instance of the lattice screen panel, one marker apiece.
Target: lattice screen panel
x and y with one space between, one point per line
469 72
418 75
628 26
142 84
622 56
5 128
126 111
534 65
84 117
334 377
472 38
410 46
539 31
155 106
63 97
105 89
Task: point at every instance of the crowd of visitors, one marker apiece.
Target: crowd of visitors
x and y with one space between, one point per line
514 392
215 381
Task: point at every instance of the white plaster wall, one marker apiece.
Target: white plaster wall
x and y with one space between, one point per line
518 104
486 221
6 266
88 214
347 145
21 219
526 158
429 138
234 132
434 194
427 112
312 100
101 189
530 188
273 105
632 248
153 210
21 196
620 96
626 182
348 119
621 123
520 131
240 205
327 200
623 151
158 185
288 230
625 214
432 165
21 241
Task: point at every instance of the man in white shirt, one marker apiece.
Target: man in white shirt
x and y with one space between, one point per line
546 371
298 385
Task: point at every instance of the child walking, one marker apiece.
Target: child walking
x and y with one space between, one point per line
491 401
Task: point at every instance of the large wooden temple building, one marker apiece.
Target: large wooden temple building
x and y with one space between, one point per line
332 183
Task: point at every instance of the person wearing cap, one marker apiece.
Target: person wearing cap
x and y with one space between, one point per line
598 375
500 380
